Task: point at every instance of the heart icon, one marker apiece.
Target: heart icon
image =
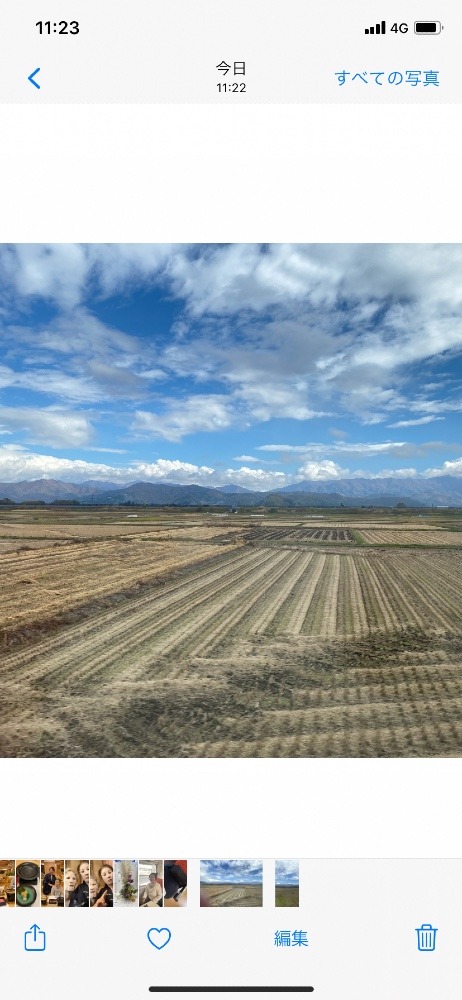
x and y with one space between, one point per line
159 937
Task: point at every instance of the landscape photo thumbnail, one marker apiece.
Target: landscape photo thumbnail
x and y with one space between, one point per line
231 500
287 882
232 883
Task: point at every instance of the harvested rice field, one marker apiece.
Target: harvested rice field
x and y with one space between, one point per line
388 536
186 635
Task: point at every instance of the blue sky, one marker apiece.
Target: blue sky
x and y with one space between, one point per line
248 871
259 365
286 871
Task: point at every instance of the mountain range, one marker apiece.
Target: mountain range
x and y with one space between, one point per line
417 491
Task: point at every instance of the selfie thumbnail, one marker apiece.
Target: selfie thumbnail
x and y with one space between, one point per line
76 878
101 885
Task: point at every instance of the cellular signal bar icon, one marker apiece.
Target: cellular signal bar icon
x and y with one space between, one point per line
379 29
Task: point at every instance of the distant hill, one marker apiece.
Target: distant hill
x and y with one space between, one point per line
234 489
94 485
163 493
437 490
418 492
44 489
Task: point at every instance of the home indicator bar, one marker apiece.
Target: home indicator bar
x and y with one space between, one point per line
231 989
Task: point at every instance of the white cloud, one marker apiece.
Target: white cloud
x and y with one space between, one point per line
453 468
55 272
53 426
16 464
254 479
265 401
287 871
314 450
435 405
243 276
395 474
174 471
112 451
64 273
322 470
57 383
290 331
415 423
188 416
231 871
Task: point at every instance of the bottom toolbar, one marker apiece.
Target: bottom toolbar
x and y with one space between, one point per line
337 928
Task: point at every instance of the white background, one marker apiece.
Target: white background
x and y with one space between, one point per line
354 174
264 173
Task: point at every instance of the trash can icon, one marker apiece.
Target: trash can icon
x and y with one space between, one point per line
426 937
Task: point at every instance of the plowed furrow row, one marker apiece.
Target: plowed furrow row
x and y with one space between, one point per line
448 602
449 572
179 591
345 618
350 717
218 631
105 649
429 741
428 688
93 576
319 605
378 613
423 596
355 597
275 606
296 620
328 625
403 614
388 617
397 590
278 625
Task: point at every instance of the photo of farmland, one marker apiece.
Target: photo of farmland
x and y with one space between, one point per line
231 883
231 501
287 886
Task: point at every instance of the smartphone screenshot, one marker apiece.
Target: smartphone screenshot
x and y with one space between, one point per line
230 500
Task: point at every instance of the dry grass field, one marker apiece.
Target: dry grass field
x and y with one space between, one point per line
190 635
391 536
229 894
286 895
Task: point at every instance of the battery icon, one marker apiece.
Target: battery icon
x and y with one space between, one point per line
427 27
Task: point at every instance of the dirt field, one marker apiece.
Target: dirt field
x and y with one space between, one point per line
235 639
231 895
